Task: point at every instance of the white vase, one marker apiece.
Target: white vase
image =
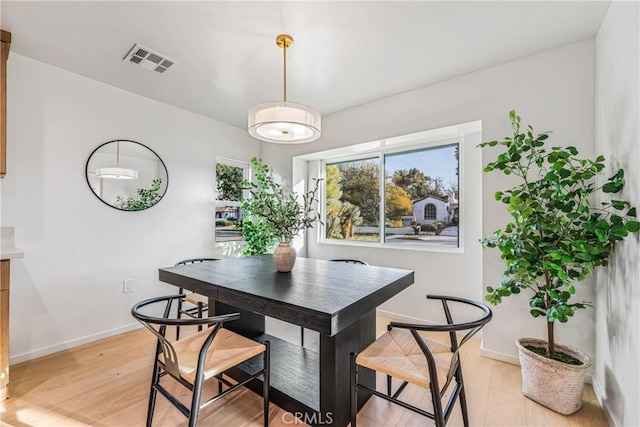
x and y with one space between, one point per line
284 257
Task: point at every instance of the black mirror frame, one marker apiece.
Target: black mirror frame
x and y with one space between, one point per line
86 174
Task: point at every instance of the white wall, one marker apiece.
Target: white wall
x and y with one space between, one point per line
617 378
553 90
78 250
68 288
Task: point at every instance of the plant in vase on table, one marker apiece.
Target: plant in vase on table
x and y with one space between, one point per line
555 240
273 214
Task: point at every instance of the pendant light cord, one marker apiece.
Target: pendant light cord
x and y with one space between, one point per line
285 70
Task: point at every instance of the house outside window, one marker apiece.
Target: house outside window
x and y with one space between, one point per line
229 194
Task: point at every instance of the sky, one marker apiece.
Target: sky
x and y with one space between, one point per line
433 162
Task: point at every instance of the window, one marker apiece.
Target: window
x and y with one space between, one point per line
229 194
419 187
353 199
430 211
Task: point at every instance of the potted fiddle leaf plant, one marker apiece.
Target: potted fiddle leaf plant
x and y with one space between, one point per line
557 236
274 214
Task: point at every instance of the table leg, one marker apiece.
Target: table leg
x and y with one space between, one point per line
335 370
334 373
250 324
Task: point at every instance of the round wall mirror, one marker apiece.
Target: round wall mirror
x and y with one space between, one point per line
127 175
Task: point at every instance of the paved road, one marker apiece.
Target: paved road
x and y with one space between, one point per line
447 237
450 231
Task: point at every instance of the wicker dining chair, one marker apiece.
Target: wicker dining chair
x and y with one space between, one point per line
407 353
195 303
348 261
195 359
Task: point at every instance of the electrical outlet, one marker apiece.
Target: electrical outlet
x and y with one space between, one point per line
127 286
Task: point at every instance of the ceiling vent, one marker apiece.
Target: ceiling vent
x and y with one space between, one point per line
147 58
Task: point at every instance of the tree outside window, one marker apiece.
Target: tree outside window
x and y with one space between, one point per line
352 199
229 182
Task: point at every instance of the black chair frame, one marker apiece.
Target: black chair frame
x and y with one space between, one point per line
169 366
196 312
440 415
350 261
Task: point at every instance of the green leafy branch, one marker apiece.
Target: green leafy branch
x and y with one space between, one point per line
147 198
278 213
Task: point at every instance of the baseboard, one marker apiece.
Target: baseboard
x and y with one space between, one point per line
499 356
603 403
401 317
18 358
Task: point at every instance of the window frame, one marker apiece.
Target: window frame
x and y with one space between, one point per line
396 145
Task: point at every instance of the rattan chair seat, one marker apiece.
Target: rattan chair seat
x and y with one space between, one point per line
397 353
227 350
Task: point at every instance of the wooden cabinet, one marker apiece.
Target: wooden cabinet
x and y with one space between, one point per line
4 329
4 55
8 252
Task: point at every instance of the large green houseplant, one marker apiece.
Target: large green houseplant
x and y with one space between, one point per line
273 214
556 236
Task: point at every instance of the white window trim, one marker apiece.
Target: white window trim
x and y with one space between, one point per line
420 140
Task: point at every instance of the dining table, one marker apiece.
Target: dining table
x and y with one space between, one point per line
337 300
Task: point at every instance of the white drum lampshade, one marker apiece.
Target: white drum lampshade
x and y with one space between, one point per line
116 173
284 122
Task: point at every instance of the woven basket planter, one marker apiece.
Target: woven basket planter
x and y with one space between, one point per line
556 385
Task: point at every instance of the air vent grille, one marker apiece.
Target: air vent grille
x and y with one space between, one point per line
147 58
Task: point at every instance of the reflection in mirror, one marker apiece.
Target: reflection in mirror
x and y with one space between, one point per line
127 175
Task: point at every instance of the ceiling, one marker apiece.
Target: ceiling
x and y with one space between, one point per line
344 53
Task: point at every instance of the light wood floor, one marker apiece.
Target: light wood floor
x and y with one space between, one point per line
105 384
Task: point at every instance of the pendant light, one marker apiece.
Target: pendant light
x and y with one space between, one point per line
284 122
116 172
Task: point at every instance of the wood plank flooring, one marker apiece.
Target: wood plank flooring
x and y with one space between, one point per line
105 384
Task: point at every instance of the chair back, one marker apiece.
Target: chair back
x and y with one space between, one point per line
472 327
350 261
194 261
158 326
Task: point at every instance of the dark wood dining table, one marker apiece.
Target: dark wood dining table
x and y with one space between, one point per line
337 300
